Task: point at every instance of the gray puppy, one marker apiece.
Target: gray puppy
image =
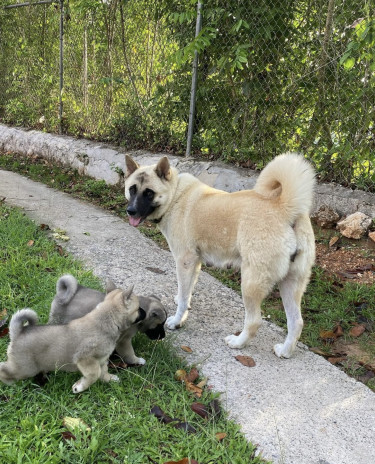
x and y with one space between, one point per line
73 301
83 345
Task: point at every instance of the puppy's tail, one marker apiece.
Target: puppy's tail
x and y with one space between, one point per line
19 319
289 179
66 288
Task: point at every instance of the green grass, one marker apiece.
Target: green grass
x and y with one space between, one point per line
118 414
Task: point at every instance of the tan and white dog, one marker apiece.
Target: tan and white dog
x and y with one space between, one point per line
266 232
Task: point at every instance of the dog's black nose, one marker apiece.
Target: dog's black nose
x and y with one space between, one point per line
131 210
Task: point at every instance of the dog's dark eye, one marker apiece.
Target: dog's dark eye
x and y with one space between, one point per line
149 194
133 190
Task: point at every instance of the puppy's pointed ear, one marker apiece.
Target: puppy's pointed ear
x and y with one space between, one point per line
127 293
163 168
109 286
131 165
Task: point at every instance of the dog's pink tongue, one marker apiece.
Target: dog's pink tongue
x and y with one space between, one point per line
134 221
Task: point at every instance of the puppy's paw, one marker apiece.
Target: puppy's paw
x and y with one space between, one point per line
281 351
173 323
140 362
113 378
235 341
78 387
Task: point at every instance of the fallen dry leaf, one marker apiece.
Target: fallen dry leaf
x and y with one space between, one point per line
180 375
320 352
334 240
357 330
200 409
30 243
73 423
337 360
327 335
186 348
165 419
246 360
193 389
192 375
183 461
338 331
220 436
68 435
202 383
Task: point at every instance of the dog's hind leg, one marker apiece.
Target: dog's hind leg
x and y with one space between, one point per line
291 291
253 293
91 371
188 268
7 374
105 376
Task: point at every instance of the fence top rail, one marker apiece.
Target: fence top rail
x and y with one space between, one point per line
41 2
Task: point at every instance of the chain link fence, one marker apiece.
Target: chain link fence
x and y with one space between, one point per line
272 76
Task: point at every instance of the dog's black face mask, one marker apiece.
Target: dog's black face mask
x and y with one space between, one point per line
141 315
156 334
140 205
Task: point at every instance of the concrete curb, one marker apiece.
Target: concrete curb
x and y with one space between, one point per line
107 162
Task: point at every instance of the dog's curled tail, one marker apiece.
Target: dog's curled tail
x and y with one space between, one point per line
18 321
290 179
66 288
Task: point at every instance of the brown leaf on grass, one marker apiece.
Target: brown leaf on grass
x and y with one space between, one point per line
357 330
161 416
186 348
337 360
334 240
246 360
220 436
4 332
193 389
320 352
44 227
117 365
200 409
183 461
165 419
68 436
338 331
202 383
30 243
327 335
192 375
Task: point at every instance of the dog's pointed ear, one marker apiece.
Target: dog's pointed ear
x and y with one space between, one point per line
109 286
127 293
163 168
131 165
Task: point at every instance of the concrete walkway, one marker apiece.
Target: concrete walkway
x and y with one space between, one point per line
299 411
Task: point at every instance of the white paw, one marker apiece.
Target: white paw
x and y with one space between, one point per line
78 387
114 378
281 352
234 341
173 323
138 362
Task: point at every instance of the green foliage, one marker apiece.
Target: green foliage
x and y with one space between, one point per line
271 78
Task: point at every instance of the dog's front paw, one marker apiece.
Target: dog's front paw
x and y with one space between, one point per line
173 323
235 341
113 378
281 351
78 387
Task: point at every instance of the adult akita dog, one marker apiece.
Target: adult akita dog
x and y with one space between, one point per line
266 232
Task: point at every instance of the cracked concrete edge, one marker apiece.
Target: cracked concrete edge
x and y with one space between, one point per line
106 162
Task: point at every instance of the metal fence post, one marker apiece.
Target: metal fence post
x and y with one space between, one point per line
193 84
61 70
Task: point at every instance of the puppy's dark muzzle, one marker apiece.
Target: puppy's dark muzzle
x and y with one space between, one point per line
141 315
156 334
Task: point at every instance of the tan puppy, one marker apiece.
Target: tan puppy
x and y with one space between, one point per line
83 345
266 232
73 300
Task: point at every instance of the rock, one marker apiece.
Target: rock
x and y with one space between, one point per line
355 225
372 236
326 217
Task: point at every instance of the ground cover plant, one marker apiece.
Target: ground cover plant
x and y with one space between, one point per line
338 310
42 421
